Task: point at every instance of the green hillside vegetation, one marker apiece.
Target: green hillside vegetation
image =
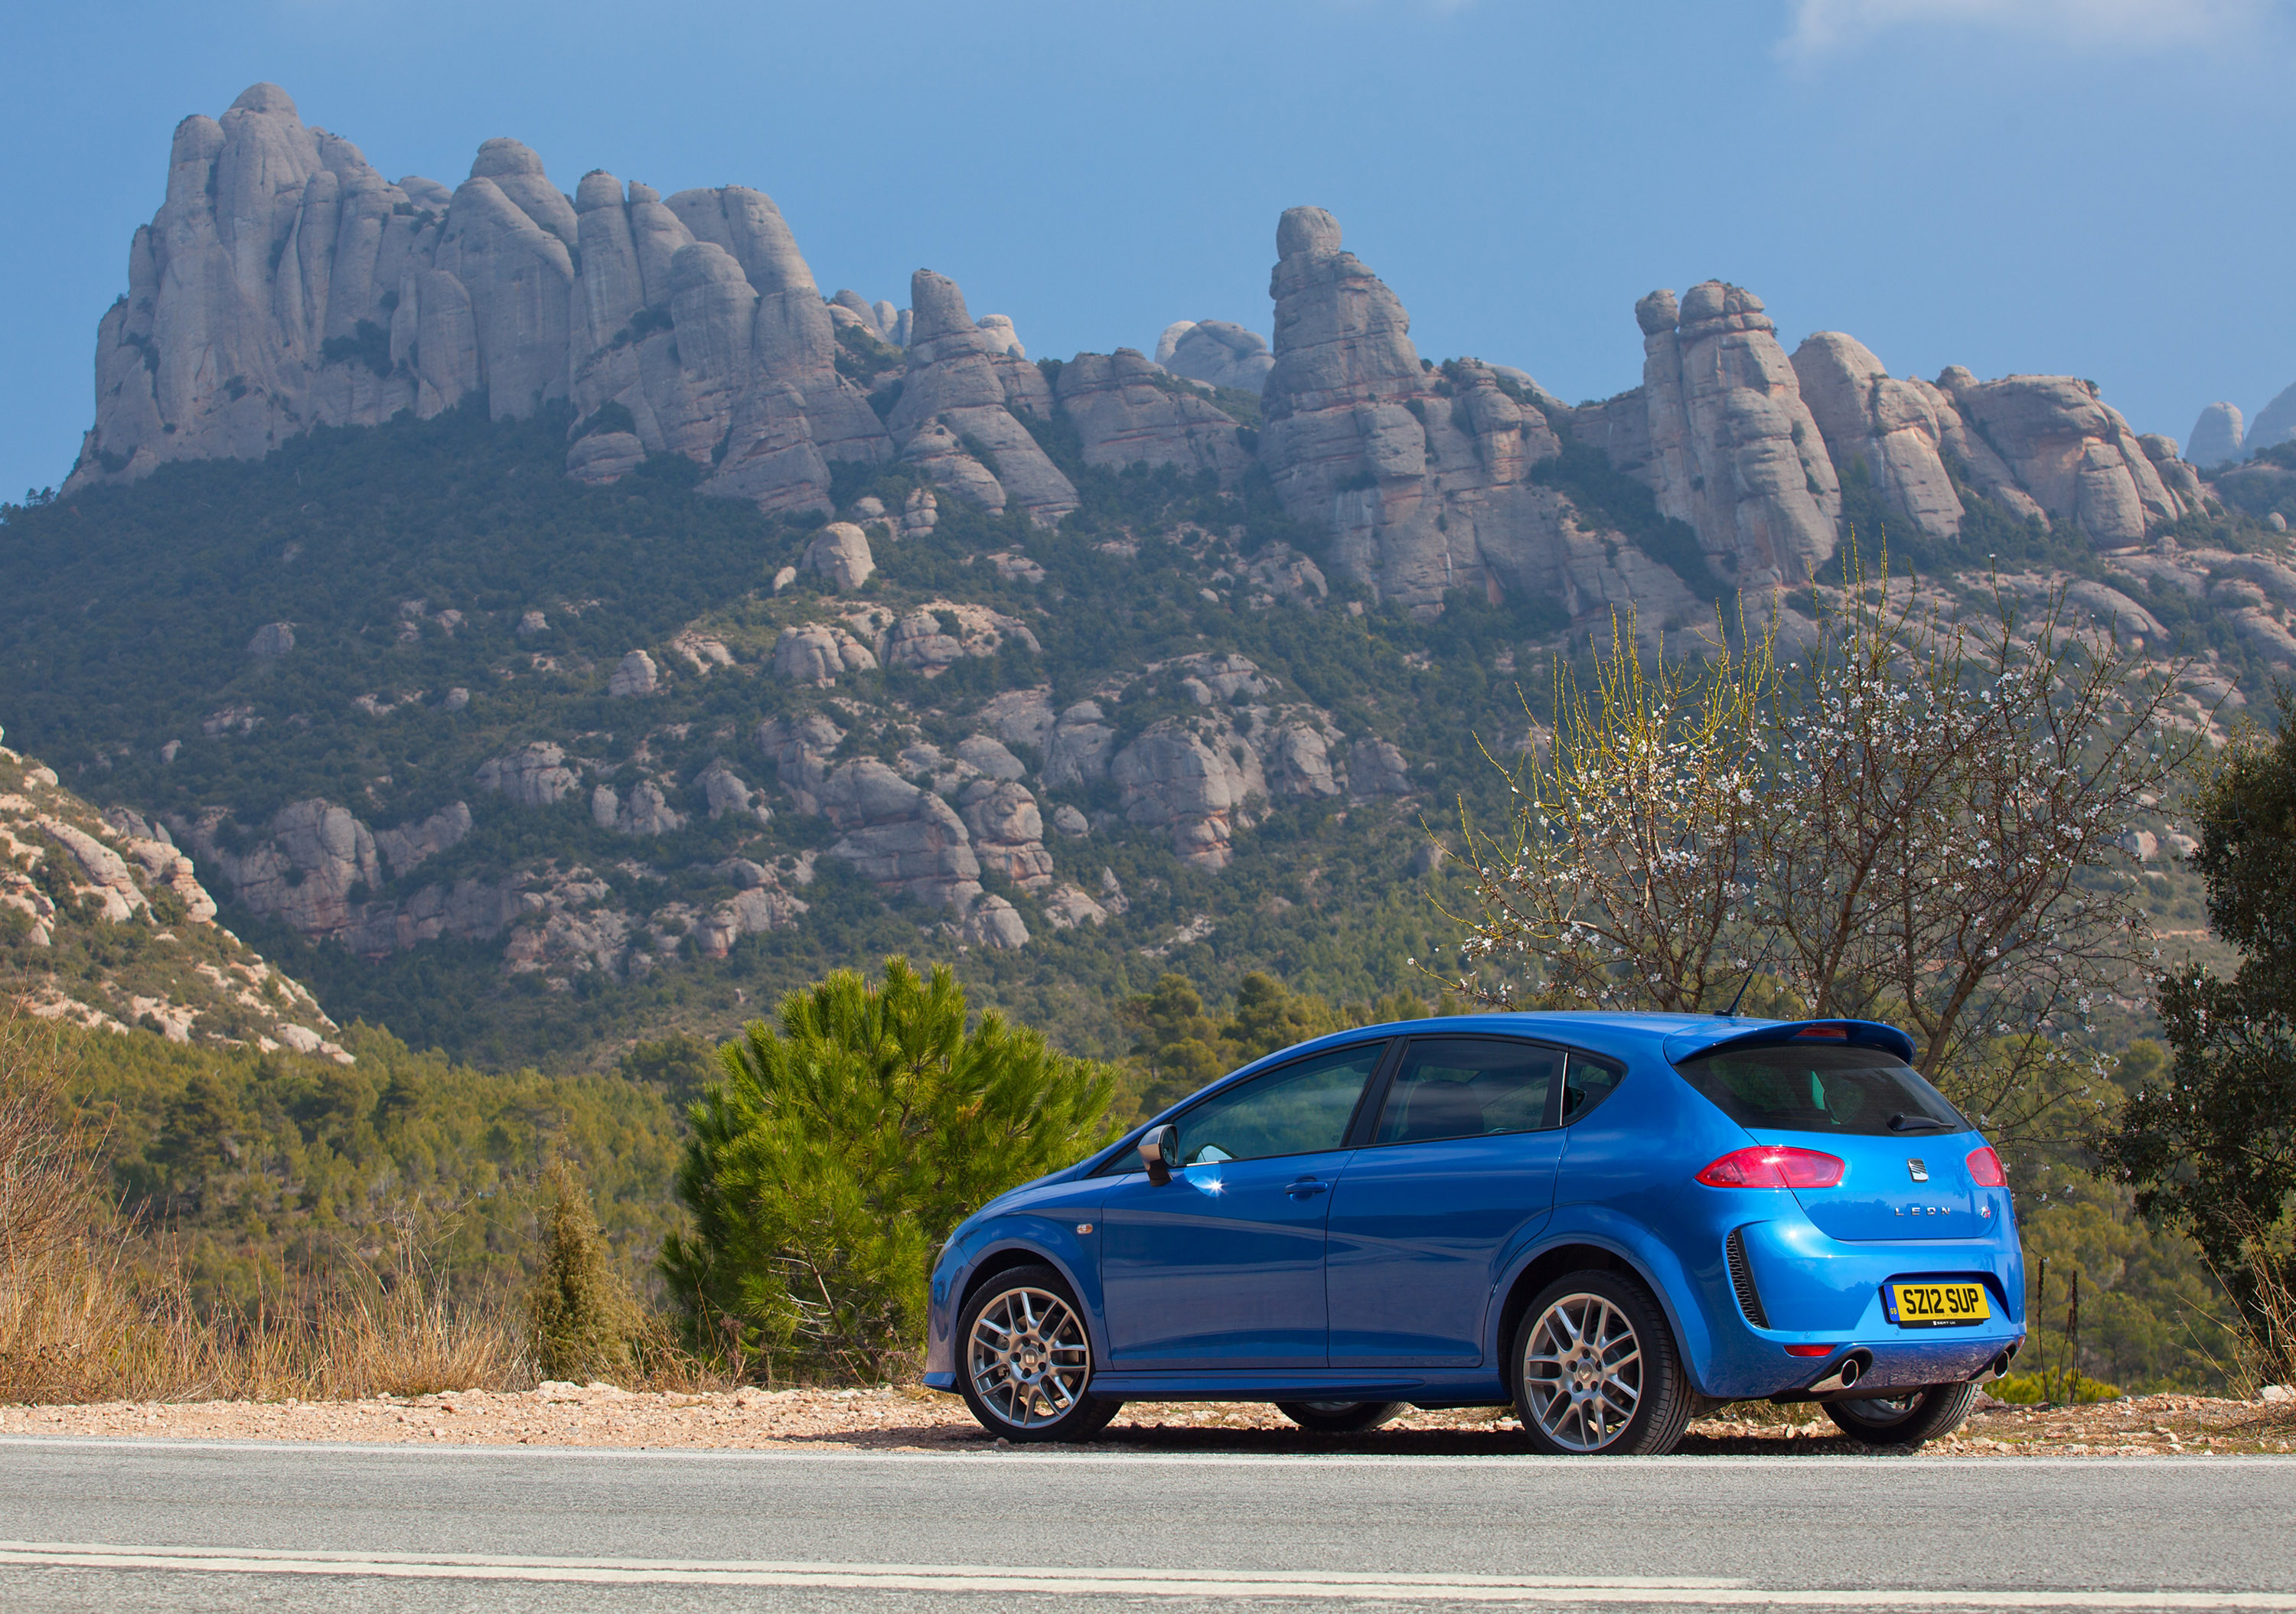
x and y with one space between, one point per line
254 1169
130 610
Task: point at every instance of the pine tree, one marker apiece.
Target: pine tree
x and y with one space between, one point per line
844 1145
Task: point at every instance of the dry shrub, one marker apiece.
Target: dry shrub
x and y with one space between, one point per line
2267 1343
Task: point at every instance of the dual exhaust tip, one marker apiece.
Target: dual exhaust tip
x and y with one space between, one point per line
1854 1366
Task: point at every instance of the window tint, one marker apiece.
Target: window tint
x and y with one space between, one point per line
1797 1087
1298 1109
1590 1081
1451 1088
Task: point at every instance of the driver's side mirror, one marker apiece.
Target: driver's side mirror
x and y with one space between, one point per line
1159 1152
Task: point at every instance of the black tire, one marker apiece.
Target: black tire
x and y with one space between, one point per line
1580 1397
1028 1375
1905 1422
1339 1417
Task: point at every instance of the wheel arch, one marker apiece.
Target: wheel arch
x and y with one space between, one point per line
1575 1255
1003 1259
1579 1252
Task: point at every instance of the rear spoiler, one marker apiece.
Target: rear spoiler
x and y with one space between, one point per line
1836 1033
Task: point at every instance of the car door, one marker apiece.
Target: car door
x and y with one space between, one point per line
1222 1267
1459 1164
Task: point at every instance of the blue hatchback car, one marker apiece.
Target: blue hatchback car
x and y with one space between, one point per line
1607 1220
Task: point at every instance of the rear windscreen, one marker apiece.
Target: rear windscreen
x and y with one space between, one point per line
1804 1087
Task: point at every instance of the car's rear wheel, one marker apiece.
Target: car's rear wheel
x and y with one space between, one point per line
1596 1370
1904 1420
1339 1417
1025 1361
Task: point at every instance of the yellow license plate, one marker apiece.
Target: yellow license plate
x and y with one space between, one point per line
1938 1304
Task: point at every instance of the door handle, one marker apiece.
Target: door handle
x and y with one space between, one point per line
1306 1188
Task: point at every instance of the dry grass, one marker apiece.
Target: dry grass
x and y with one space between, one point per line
91 1313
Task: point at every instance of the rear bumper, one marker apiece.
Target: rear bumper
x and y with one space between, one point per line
1814 1291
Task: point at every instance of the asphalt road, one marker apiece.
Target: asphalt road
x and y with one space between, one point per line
118 1525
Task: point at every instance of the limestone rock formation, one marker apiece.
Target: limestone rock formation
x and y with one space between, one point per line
1425 477
819 653
1890 426
1217 353
959 391
938 634
840 552
284 284
2274 424
637 675
315 865
1008 831
409 845
2073 453
998 336
800 751
1194 779
2217 436
1377 767
534 775
1076 748
1731 448
903 838
1128 414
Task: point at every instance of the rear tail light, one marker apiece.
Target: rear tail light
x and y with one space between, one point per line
1985 1169
1774 1167
1811 1350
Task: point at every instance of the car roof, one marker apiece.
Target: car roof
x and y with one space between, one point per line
1673 1037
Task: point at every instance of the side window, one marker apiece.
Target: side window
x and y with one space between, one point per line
1591 1080
1301 1108
1451 1088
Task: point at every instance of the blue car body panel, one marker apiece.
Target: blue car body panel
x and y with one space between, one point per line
1385 1272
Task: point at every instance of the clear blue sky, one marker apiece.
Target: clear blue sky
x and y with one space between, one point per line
2099 187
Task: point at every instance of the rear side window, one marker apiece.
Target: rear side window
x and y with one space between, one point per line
1590 1081
1797 1087
1453 1087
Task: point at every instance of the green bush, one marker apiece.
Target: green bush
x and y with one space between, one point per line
842 1148
580 1315
2054 1386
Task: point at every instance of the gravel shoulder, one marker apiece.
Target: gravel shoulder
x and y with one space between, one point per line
910 1418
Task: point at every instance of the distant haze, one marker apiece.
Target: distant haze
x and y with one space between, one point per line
2086 187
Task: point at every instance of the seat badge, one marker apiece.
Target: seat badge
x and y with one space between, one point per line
1918 1171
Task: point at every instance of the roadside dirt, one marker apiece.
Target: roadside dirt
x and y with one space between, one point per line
911 1419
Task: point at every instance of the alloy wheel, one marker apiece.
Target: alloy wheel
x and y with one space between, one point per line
1027 1357
1582 1371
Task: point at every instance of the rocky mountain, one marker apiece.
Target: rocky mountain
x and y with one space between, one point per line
103 922
285 284
535 615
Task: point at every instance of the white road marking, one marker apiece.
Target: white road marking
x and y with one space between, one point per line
1134 1456
1688 1591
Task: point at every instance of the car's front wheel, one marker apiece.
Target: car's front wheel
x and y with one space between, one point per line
1339 1417
1904 1420
1596 1370
1025 1360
